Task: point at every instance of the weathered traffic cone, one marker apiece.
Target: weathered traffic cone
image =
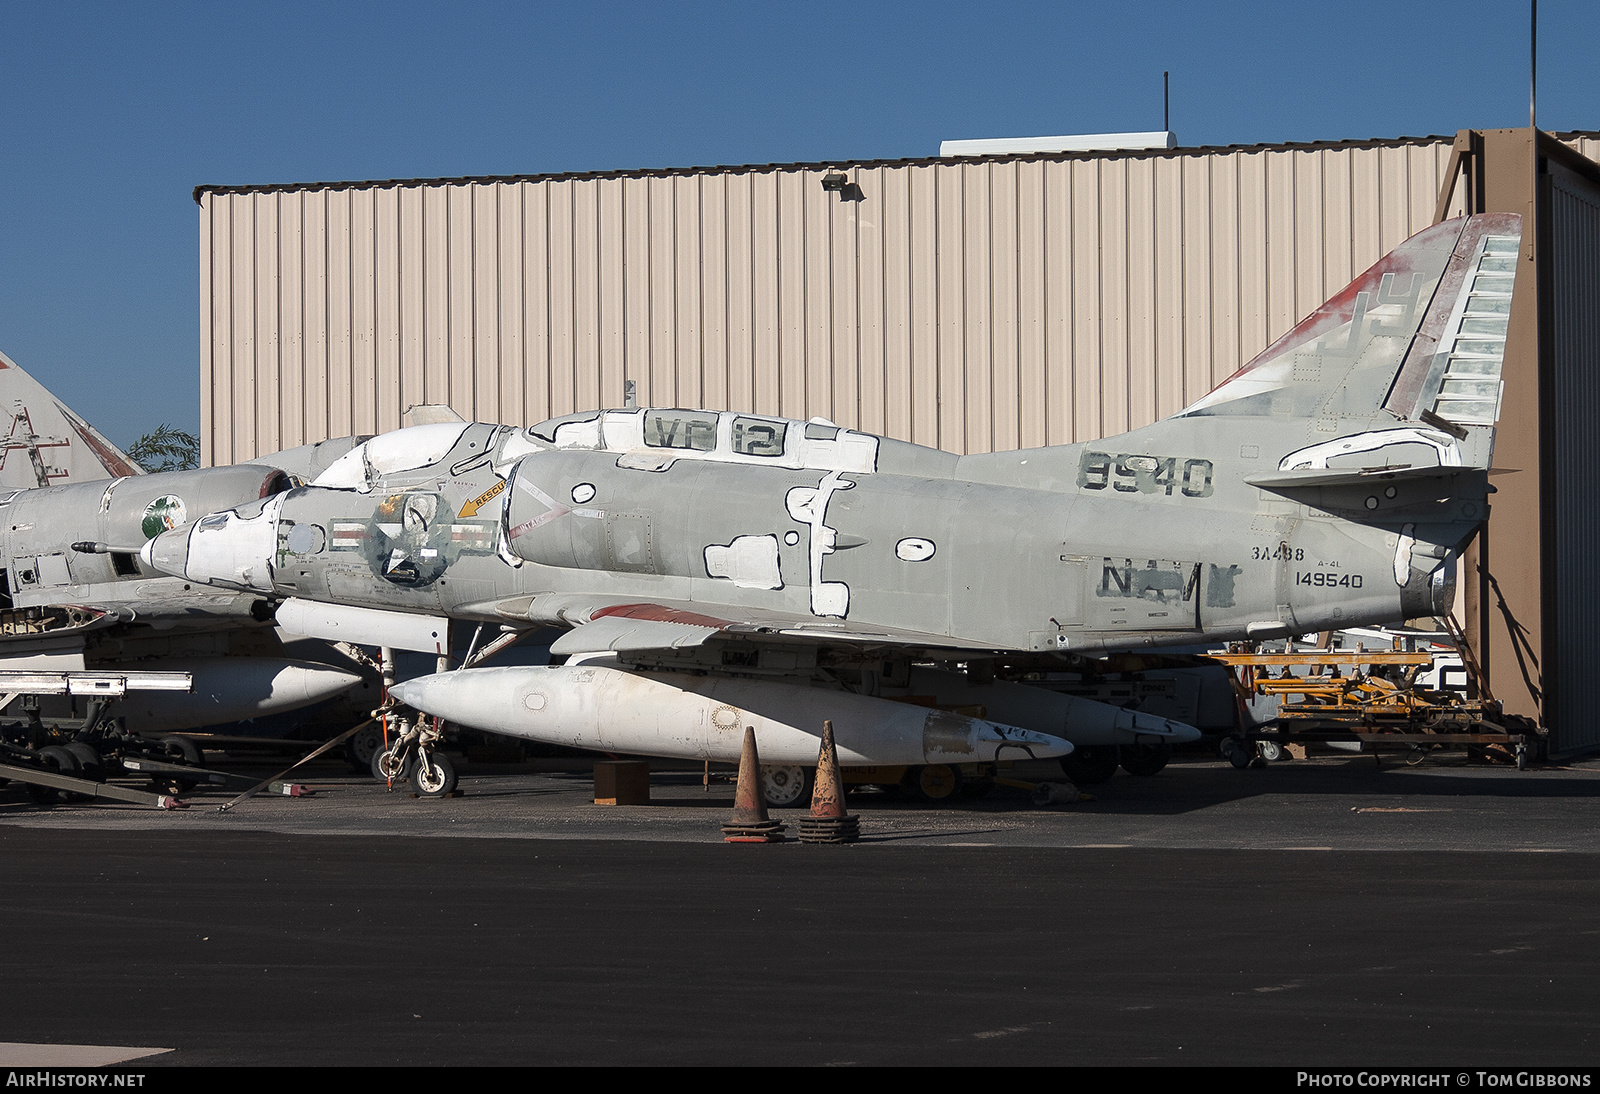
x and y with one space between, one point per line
749 823
828 822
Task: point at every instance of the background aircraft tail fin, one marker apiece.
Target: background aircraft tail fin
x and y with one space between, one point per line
43 443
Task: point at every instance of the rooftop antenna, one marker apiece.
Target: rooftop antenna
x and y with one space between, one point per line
1166 100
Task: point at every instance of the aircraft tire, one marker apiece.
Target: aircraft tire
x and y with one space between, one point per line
362 747
382 775
179 750
89 762
1091 765
434 777
182 750
60 761
934 784
1145 759
787 786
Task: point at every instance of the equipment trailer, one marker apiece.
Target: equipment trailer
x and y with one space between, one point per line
1370 699
61 758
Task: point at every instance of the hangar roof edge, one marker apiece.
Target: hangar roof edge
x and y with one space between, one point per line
838 164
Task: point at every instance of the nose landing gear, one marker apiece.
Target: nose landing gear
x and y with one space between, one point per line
416 755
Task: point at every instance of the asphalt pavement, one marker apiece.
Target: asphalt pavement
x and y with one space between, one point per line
1317 913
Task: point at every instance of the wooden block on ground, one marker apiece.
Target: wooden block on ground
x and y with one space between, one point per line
621 782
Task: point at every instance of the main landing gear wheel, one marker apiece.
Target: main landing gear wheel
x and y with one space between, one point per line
1090 765
1145 759
785 785
434 777
935 783
363 746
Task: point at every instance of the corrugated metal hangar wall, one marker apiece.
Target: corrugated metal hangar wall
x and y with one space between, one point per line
971 305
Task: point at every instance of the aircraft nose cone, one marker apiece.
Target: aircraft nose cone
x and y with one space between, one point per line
443 695
459 697
409 692
168 552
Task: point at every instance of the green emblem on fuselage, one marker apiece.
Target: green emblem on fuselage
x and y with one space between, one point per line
163 515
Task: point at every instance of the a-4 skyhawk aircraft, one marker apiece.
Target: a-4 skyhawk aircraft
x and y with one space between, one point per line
718 570
74 599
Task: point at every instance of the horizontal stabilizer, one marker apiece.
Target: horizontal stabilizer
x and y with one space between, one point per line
1289 481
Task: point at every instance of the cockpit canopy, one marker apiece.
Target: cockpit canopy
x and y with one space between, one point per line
651 440
402 450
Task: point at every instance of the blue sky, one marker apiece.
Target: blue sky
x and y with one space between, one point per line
114 112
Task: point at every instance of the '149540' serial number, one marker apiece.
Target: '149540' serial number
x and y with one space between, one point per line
1328 579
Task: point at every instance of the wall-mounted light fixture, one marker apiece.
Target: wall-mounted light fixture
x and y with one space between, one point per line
837 182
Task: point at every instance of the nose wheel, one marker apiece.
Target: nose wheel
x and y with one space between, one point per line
434 776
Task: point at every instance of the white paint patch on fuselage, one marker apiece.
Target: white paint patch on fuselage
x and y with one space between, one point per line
1447 451
914 549
750 562
810 507
1402 555
236 550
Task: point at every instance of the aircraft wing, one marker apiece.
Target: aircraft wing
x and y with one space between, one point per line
631 625
196 609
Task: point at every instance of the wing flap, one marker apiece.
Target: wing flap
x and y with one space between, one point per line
621 633
669 625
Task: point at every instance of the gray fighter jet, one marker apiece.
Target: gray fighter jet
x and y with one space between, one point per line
74 597
721 569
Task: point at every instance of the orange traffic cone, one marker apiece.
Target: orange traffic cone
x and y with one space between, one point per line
749 823
828 821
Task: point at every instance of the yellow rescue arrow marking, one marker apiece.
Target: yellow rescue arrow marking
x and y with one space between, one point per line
471 508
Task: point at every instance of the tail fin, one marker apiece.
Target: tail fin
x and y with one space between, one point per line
43 443
1419 338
